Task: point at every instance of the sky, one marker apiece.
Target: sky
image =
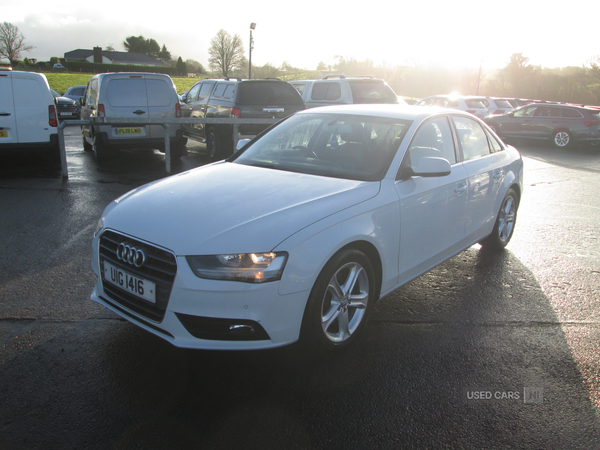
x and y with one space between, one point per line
464 34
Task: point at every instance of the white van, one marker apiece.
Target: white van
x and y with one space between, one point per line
27 112
130 95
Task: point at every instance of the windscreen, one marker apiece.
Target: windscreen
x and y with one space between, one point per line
341 146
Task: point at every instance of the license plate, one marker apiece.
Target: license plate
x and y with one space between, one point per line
65 114
137 286
3 133
121 131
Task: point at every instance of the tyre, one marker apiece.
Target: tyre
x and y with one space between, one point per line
339 302
562 139
86 145
99 149
176 149
212 144
505 223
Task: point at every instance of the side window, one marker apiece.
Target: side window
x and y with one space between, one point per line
495 146
220 90
473 141
229 91
300 88
564 112
326 91
525 112
192 95
433 138
205 90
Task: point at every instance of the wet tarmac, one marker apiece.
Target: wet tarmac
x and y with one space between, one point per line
487 351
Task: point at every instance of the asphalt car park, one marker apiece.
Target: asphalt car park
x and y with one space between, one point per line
481 352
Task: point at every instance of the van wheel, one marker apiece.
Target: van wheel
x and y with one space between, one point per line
86 145
99 149
176 150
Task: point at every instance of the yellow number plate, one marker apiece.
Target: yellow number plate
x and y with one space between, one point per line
129 131
3 133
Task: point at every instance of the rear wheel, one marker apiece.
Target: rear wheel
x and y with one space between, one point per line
562 139
100 151
213 144
505 223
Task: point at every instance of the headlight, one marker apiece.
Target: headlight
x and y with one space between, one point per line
99 226
246 267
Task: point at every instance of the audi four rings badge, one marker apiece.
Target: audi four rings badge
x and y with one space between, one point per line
131 255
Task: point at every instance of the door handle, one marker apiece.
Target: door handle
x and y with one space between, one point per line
460 189
4 114
139 112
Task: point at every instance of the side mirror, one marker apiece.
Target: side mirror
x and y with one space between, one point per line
430 166
241 144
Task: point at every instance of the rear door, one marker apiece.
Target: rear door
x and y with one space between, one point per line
32 100
484 159
8 124
126 97
266 100
162 100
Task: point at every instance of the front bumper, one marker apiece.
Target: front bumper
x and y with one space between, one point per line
212 314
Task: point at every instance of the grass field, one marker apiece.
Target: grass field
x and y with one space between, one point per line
60 82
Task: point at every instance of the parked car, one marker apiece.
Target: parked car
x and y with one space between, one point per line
560 124
130 95
463 103
28 116
66 107
494 105
235 98
339 90
75 92
298 234
58 66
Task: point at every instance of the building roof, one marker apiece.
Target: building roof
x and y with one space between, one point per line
117 57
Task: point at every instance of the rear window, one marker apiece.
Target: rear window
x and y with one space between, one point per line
474 104
300 88
127 92
564 112
160 93
372 92
268 93
503 104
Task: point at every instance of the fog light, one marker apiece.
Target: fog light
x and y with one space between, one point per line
241 329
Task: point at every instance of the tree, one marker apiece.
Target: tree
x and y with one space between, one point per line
12 42
148 47
181 67
226 53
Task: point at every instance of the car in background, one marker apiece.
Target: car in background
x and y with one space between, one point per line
561 124
464 103
131 95
27 112
300 233
495 105
235 98
66 108
339 90
75 92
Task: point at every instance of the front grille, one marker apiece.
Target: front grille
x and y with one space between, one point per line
160 267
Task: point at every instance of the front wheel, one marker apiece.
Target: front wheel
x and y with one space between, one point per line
505 223
340 301
562 139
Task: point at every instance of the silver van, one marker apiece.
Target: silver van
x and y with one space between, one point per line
130 95
27 112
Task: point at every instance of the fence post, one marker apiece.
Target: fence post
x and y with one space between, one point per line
63 150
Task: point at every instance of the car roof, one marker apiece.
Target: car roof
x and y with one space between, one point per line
397 111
